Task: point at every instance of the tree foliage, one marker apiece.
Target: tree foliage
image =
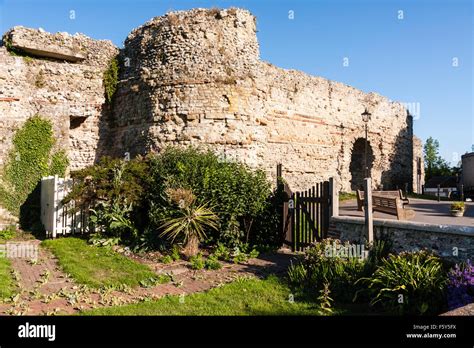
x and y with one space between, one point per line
435 165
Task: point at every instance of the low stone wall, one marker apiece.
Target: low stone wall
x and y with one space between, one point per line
455 243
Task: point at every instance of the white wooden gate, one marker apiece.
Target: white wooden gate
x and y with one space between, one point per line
59 218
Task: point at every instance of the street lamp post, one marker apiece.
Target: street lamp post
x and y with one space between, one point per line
367 185
366 118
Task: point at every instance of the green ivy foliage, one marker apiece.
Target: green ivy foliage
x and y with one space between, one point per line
28 161
59 163
111 79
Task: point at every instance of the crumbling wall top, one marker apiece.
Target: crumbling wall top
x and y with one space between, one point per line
60 46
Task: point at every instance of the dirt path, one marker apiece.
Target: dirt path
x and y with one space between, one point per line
46 290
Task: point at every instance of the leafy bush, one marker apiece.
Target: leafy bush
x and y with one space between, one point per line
461 285
113 219
418 276
97 239
8 232
140 197
166 259
318 268
197 261
320 265
175 253
222 252
237 194
115 190
212 263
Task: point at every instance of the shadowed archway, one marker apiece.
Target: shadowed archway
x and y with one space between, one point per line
358 162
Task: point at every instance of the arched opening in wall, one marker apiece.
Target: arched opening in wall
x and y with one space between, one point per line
357 166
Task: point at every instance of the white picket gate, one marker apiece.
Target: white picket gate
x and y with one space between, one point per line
59 218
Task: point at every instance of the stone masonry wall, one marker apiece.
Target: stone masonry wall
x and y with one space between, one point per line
455 243
195 78
60 78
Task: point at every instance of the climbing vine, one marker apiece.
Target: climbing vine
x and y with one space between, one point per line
111 79
28 161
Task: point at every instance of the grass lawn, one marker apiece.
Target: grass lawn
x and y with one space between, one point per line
345 196
7 285
241 297
96 266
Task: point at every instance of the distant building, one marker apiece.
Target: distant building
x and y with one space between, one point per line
467 176
447 184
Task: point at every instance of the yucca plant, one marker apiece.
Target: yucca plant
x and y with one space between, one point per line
189 222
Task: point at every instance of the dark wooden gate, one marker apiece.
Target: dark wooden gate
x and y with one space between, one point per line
306 214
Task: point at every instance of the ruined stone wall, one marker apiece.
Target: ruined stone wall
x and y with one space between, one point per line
195 78
58 76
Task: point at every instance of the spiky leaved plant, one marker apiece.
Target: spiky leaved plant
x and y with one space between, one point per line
189 222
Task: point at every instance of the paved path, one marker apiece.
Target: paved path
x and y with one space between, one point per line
427 211
45 290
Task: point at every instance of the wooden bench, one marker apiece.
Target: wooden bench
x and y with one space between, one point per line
394 193
391 205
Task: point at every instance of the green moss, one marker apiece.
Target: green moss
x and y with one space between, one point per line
111 79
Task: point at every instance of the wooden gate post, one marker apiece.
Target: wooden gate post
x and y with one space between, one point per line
334 198
369 223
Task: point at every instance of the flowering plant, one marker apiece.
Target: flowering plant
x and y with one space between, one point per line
461 285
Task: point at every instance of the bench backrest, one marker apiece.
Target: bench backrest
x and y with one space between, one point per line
394 193
390 205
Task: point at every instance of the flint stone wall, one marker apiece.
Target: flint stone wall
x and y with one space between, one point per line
455 243
195 77
58 89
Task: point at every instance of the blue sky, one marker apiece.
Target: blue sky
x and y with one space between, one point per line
409 60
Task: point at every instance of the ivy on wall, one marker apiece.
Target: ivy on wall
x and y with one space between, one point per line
111 79
28 161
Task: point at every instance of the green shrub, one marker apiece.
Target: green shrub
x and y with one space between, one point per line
113 220
28 161
197 262
97 239
175 253
116 192
111 79
237 194
318 267
8 233
212 263
166 259
222 252
297 274
409 283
